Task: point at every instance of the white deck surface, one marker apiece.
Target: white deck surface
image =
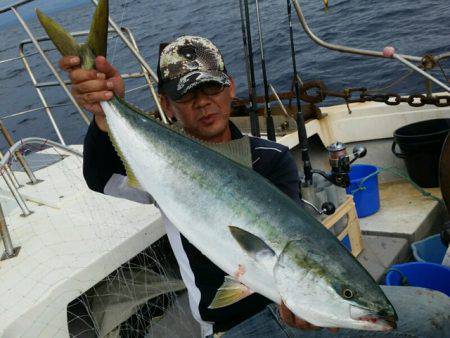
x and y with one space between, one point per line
404 212
66 248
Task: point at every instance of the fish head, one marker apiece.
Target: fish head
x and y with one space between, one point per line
328 292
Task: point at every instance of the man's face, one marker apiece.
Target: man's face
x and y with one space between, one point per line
202 114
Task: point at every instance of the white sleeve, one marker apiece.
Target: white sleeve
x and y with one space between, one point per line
117 186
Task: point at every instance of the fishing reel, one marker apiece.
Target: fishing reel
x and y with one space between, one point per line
340 162
327 208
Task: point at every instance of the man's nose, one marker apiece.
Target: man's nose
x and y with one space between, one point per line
201 99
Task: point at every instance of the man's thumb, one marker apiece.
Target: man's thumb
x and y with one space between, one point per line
103 66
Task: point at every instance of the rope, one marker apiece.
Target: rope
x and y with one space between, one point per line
401 174
392 84
443 72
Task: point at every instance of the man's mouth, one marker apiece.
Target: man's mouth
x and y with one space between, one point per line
208 119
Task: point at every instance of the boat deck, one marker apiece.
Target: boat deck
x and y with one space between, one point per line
404 213
71 241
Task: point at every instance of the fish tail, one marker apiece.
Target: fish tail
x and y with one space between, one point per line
97 39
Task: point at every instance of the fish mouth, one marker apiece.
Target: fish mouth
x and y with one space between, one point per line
387 323
379 321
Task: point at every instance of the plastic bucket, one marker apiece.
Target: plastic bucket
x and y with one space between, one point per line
426 275
365 193
430 249
420 145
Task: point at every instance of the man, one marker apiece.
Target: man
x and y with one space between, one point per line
196 91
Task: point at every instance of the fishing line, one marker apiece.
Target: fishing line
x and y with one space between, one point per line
400 173
124 10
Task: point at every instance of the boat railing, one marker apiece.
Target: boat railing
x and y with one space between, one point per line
403 58
39 86
5 170
10 251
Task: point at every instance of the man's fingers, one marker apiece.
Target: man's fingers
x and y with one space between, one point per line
94 97
290 319
304 325
111 74
67 63
103 66
92 86
96 109
80 75
333 329
286 314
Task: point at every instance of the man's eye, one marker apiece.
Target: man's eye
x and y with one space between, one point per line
186 97
213 89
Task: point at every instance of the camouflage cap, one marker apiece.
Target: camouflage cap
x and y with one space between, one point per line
188 62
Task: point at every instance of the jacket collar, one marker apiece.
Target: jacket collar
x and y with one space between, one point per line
235 132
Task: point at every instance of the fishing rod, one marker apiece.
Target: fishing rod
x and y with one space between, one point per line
248 51
269 118
301 128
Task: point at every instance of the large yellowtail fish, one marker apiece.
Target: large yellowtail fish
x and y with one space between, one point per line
236 217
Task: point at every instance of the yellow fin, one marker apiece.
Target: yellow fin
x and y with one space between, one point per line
98 34
132 180
229 293
63 41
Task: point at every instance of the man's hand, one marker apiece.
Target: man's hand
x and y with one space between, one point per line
290 319
89 87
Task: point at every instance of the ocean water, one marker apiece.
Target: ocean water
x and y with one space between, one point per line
413 27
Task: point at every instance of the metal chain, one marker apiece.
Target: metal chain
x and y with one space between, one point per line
316 92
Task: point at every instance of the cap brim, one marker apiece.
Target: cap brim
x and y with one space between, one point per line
176 88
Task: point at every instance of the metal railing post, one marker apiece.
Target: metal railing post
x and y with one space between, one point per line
17 196
40 94
18 155
49 64
141 60
10 251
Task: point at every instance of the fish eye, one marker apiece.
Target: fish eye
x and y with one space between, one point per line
348 294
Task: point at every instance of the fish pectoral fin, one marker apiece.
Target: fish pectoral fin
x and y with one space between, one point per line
63 41
229 293
254 246
98 34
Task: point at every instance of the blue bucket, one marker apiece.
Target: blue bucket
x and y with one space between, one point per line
426 275
366 195
430 250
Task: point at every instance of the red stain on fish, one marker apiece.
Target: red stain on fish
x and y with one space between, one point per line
239 272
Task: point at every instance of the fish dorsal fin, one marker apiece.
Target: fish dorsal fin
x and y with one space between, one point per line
98 34
63 41
254 246
229 293
236 150
132 180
